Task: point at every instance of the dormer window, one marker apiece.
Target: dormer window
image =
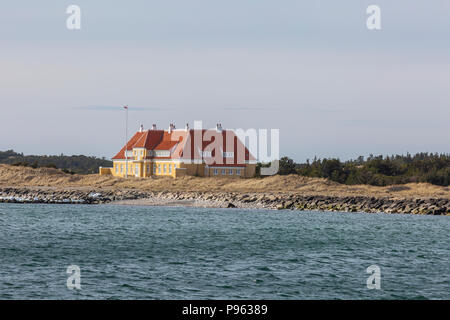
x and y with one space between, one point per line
129 153
138 153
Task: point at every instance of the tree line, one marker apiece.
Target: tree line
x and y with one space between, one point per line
70 164
375 170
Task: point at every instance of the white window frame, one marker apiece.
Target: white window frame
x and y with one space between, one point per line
230 172
216 172
154 168
129 153
170 168
224 172
238 172
228 154
206 154
162 153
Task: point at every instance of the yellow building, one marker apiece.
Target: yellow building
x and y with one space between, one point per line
179 152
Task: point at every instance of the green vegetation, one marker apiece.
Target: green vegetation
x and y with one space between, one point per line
376 170
69 164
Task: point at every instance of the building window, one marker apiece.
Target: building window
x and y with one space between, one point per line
230 171
136 169
238 172
121 168
170 168
216 172
159 168
206 154
162 153
165 168
224 172
128 154
148 168
117 168
154 168
228 154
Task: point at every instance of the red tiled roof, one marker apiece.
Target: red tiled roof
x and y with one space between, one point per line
185 145
129 145
167 143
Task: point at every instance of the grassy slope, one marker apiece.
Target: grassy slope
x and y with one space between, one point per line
11 176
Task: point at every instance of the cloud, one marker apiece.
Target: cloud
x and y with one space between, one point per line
246 108
116 108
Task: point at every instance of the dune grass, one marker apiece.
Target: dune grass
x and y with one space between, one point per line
12 176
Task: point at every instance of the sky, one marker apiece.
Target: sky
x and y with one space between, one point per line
311 69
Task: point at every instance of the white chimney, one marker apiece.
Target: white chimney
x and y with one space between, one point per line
153 126
219 127
171 127
141 128
187 127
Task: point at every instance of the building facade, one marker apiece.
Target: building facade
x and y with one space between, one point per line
180 152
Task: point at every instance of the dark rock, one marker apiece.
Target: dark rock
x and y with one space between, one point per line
230 205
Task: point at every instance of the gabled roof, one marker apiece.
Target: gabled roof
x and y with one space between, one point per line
183 145
230 143
168 141
129 145
148 140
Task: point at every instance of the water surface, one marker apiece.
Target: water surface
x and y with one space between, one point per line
135 252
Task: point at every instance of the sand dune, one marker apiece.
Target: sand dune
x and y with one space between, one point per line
11 176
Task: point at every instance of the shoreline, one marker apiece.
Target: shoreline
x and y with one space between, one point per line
209 199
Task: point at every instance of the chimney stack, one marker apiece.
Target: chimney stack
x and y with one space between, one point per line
187 126
171 127
219 127
153 126
141 128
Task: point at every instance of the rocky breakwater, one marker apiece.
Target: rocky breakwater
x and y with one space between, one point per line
434 206
428 206
70 196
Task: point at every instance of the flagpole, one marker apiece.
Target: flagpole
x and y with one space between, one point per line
126 141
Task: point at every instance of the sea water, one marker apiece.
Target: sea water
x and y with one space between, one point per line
138 252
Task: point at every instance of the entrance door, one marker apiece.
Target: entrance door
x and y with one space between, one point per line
136 170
